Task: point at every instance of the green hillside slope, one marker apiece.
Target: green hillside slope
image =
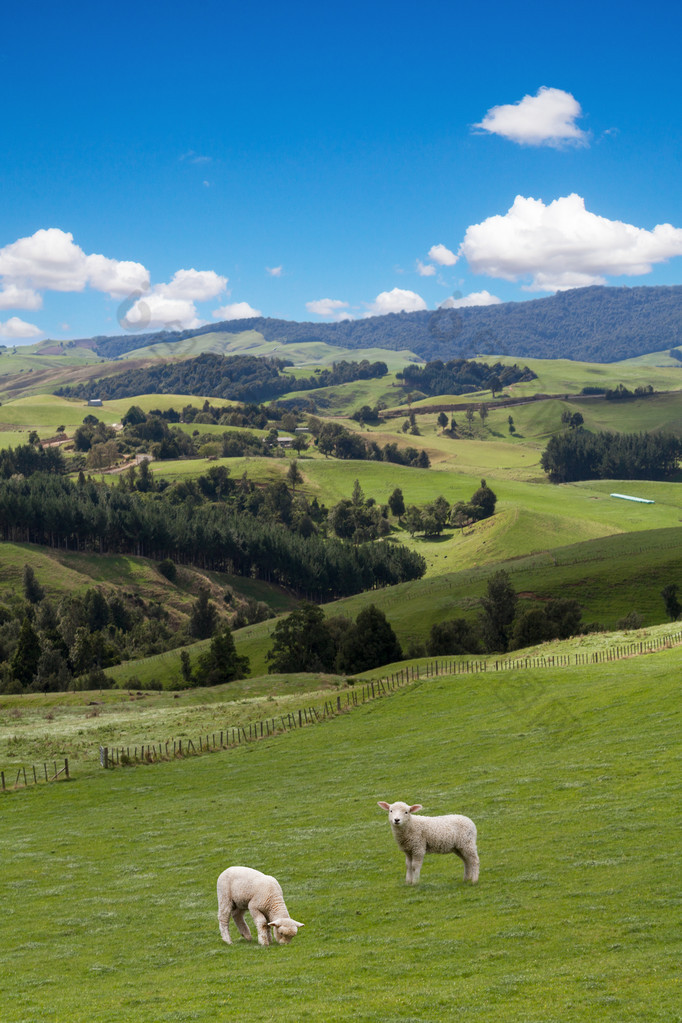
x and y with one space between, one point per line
571 776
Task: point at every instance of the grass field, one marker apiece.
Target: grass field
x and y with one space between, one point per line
572 774
108 882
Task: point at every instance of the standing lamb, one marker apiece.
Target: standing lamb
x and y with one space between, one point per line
417 836
241 888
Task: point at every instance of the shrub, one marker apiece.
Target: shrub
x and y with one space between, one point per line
168 568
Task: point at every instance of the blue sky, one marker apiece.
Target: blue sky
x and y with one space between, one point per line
168 165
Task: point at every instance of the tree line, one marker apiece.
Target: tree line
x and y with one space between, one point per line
334 439
461 376
88 516
247 378
576 454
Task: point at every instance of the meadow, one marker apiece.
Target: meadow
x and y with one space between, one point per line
571 774
108 881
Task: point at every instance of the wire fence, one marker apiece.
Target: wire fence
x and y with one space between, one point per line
237 735
33 775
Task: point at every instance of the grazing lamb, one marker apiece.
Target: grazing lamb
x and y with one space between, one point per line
241 888
417 836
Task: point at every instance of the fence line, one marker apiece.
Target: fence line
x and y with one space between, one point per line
33 776
236 735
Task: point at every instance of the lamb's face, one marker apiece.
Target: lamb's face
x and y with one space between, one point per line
284 930
398 814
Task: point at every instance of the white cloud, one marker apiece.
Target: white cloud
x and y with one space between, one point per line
546 119
442 255
170 306
474 298
275 271
155 311
50 260
116 278
395 301
194 285
13 297
425 269
331 308
563 245
236 311
16 328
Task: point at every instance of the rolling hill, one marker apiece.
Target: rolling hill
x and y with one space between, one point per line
596 324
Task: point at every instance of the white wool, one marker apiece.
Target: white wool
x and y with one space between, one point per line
242 888
416 836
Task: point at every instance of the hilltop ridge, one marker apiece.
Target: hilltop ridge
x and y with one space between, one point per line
595 324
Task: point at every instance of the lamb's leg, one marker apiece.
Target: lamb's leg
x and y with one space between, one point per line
242 926
261 922
471 862
408 865
417 860
471 867
224 913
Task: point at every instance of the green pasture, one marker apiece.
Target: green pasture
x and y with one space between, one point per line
572 777
343 399
662 358
116 408
30 372
44 726
12 438
333 479
37 726
46 412
657 413
564 376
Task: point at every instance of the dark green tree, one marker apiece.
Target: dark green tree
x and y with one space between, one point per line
370 643
24 663
499 610
221 662
301 642
456 636
294 476
672 604
396 502
485 499
185 666
33 591
204 616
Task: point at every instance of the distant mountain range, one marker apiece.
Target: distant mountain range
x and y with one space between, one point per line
596 324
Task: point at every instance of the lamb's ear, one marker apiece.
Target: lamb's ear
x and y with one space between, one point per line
384 806
417 806
298 923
